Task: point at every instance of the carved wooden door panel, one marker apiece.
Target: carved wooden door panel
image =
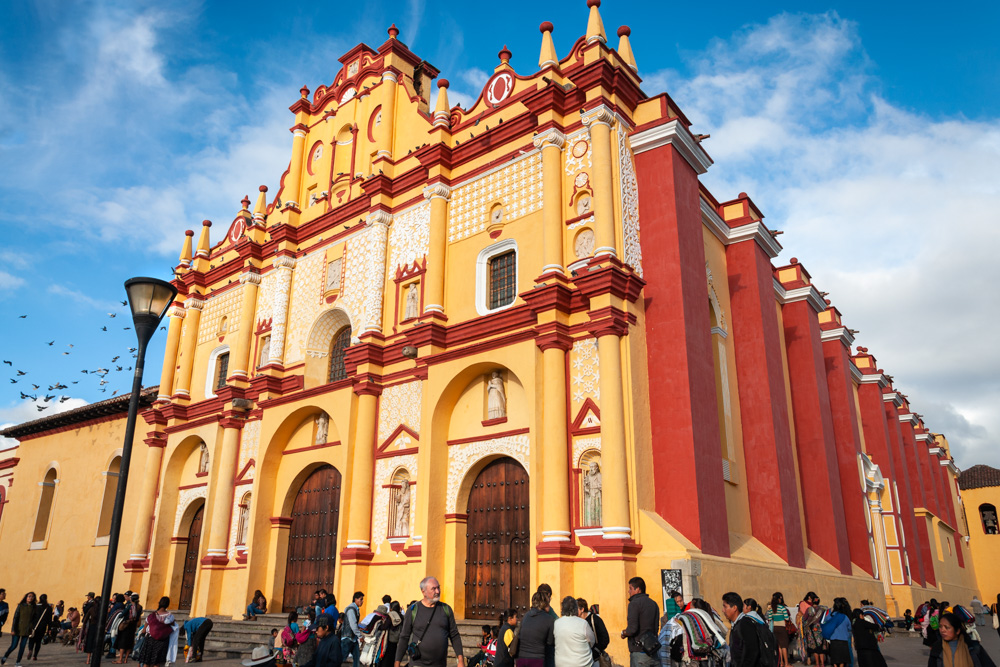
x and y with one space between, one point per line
191 560
312 539
498 541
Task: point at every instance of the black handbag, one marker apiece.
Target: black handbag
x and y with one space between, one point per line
649 643
413 648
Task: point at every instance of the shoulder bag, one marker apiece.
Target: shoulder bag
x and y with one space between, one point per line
413 648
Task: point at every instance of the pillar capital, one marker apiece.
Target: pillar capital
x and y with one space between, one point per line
599 115
550 137
176 310
252 277
284 262
609 321
380 217
194 303
553 336
437 191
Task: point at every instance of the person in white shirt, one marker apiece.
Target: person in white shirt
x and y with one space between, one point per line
574 637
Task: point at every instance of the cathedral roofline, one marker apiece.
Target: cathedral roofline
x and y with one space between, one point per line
109 407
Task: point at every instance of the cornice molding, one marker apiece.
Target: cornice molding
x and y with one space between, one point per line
842 334
909 417
808 293
873 378
894 397
855 371
729 235
675 134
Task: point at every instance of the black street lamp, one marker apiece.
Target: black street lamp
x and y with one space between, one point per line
149 299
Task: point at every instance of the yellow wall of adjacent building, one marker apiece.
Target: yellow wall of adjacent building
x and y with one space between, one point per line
982 549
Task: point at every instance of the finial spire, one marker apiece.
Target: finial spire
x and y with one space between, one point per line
505 55
204 246
548 57
625 47
595 26
304 90
260 208
393 31
186 250
442 110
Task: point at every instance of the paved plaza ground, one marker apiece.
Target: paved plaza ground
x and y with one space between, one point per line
901 650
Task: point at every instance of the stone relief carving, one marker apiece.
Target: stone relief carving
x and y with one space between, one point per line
584 246
517 186
592 490
224 307
585 371
583 205
409 236
333 274
249 445
412 302
279 317
580 153
462 457
184 499
308 287
496 404
322 428
399 404
630 202
364 277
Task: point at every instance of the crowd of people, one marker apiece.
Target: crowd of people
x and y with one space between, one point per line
745 634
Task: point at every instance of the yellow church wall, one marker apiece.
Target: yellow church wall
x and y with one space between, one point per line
982 549
69 562
737 499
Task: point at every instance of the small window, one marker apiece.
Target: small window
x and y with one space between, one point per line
338 346
107 506
503 279
221 370
988 515
41 531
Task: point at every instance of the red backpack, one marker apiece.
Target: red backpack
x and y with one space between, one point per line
157 629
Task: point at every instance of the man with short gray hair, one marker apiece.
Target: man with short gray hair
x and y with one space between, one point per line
428 625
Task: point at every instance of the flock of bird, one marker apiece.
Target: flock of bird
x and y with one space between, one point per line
52 395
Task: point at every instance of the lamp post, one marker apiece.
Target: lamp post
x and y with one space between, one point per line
149 299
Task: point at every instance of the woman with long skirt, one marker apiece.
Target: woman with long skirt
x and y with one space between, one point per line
154 649
94 634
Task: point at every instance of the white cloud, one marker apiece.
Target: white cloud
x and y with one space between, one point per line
27 410
894 212
79 297
9 281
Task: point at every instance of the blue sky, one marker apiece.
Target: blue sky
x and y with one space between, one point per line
868 132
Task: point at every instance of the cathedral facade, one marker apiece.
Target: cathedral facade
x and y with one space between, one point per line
513 344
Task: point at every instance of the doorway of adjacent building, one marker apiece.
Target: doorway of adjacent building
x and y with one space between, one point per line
312 539
497 541
191 560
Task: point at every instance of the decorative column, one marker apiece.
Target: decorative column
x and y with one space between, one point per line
189 342
239 365
224 462
294 179
176 315
551 143
389 80
598 121
890 404
555 454
881 557
138 560
284 265
438 194
916 474
378 231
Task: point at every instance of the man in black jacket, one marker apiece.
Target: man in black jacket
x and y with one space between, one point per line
744 646
643 617
328 653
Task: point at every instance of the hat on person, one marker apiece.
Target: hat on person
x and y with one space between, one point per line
261 656
381 609
90 594
135 597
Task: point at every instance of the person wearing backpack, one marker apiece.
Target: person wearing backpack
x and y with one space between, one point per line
643 617
751 644
428 626
159 627
837 630
350 634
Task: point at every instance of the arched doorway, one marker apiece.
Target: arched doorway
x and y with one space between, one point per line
498 541
312 539
191 560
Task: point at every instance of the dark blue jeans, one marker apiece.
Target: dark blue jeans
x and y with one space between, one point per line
13 644
352 648
254 610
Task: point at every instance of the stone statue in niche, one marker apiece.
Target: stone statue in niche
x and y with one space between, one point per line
584 243
265 350
333 274
583 205
592 488
412 302
203 461
496 404
402 526
322 429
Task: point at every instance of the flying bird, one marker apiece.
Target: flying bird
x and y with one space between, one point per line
114 392
63 399
132 349
21 317
9 363
48 398
104 328
116 359
163 328
112 314
42 407
20 373
13 381
51 343
126 328
118 368
75 382
124 303
65 353
36 387
23 395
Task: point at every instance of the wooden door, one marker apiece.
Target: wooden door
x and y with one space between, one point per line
312 539
497 541
191 560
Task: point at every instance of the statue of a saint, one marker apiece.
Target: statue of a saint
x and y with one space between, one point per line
584 246
203 461
412 302
496 404
592 486
402 510
265 350
322 429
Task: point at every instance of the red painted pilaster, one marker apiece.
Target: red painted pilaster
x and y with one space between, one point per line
919 493
847 433
929 462
687 451
767 444
826 528
909 519
948 483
